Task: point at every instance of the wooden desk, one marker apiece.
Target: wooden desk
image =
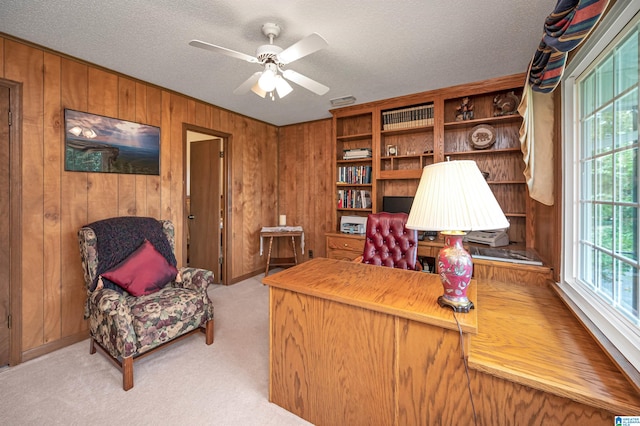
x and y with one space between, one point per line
278 232
359 344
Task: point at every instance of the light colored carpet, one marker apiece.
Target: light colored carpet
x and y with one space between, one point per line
187 383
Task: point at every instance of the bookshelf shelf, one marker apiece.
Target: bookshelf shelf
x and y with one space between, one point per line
514 118
353 210
354 160
360 136
483 151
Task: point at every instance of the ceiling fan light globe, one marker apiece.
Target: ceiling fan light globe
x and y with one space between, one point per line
267 81
258 91
282 87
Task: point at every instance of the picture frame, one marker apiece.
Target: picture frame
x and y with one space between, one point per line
95 143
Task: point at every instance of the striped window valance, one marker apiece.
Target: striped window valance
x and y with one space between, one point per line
564 29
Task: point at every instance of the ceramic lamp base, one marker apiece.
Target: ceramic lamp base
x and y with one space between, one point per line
456 267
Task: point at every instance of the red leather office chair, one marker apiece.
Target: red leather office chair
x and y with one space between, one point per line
389 243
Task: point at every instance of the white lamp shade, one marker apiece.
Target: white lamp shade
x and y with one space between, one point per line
454 196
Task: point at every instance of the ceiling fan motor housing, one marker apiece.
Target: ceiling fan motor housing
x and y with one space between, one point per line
268 53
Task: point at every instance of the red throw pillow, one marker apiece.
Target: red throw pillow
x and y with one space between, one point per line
145 271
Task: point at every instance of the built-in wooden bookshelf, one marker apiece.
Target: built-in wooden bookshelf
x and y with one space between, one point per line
353 132
407 133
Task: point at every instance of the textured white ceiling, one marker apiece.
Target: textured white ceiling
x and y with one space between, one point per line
378 49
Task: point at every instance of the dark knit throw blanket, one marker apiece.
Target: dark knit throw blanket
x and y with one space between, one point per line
118 237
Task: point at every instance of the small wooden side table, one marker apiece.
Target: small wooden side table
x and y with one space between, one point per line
281 231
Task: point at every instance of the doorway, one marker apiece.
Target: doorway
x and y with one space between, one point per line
10 222
206 200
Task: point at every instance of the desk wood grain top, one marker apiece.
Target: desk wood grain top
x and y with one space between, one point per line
406 294
527 335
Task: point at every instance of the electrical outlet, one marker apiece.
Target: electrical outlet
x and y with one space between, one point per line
310 254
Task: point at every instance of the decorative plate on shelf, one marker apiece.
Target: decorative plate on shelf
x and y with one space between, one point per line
482 136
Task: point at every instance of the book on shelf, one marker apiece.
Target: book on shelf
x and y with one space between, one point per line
525 257
366 199
354 199
354 174
356 153
406 118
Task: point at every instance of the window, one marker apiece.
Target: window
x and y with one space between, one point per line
601 247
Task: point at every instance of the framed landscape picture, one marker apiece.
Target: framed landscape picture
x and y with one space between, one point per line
94 143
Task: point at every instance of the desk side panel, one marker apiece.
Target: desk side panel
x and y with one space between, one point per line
501 402
331 363
432 381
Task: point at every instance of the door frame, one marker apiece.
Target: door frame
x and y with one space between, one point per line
226 196
15 220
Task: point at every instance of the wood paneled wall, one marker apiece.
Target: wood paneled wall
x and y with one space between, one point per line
55 203
305 192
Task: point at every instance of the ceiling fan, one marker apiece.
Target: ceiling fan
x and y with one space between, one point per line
274 59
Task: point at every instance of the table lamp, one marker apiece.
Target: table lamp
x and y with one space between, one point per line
453 197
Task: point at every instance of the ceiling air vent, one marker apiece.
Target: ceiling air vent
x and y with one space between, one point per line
345 100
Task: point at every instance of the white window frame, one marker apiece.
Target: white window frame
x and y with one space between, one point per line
615 332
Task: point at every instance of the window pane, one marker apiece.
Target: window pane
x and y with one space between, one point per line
627 63
588 136
626 178
587 95
587 179
626 119
587 270
627 287
604 178
604 81
604 226
604 130
587 228
626 239
605 275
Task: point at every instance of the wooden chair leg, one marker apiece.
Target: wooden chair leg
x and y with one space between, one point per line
127 373
209 332
92 346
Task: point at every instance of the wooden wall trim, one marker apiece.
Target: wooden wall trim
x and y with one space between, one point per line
55 345
227 196
15 220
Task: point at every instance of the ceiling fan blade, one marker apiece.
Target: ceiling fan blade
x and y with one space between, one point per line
248 83
306 46
306 82
223 50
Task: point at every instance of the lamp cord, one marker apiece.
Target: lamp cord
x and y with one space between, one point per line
466 367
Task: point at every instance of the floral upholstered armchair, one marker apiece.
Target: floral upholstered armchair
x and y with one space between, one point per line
137 300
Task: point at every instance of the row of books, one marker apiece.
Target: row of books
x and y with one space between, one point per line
354 199
354 174
406 118
356 153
